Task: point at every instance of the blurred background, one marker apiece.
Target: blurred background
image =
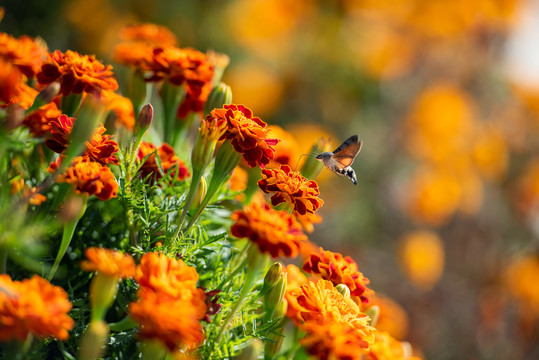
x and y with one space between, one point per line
444 95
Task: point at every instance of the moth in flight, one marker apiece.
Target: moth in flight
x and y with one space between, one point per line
341 158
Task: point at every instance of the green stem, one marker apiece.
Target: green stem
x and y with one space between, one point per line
172 97
127 323
71 103
195 182
69 230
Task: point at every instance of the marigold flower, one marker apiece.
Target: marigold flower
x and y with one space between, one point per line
100 148
275 232
238 179
392 318
33 306
26 53
11 80
39 121
134 54
520 277
386 347
339 270
88 177
167 319
289 186
77 73
122 108
161 274
109 262
149 33
247 134
286 151
32 194
168 159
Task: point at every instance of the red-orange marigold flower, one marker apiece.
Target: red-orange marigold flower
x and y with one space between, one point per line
275 232
149 33
109 262
100 148
88 177
77 73
247 134
339 270
25 53
167 319
39 121
33 306
159 273
169 162
289 186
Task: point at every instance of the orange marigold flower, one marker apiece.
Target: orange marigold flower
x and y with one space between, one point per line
289 186
39 121
100 148
122 108
109 262
286 151
25 53
167 319
247 134
168 159
88 177
149 33
339 270
159 273
238 179
33 306
10 78
77 73
32 194
333 340
386 347
275 232
134 54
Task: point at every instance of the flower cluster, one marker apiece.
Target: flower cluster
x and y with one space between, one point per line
167 284
290 187
273 231
77 73
33 306
339 270
169 162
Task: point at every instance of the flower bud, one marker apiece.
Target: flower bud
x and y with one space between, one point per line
312 167
343 289
14 117
252 351
272 277
219 61
144 120
274 297
94 341
374 313
220 95
199 194
273 344
45 96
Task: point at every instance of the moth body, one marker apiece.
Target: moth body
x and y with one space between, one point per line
339 161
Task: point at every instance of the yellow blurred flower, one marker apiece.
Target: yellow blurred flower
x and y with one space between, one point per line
522 277
286 151
527 188
391 318
422 258
490 153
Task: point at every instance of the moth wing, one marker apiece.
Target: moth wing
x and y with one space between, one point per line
345 154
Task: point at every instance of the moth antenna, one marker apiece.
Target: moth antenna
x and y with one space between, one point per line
297 164
316 149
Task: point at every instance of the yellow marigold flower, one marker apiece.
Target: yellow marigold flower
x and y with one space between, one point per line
290 187
149 33
122 108
161 274
77 73
33 306
422 258
386 347
170 320
275 232
339 270
25 53
88 177
109 262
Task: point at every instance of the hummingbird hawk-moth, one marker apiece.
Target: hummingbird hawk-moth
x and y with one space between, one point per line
341 158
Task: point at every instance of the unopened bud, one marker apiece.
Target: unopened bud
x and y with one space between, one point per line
14 117
273 299
219 61
220 95
45 96
343 289
374 313
103 289
252 351
144 119
200 194
272 345
94 341
275 272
